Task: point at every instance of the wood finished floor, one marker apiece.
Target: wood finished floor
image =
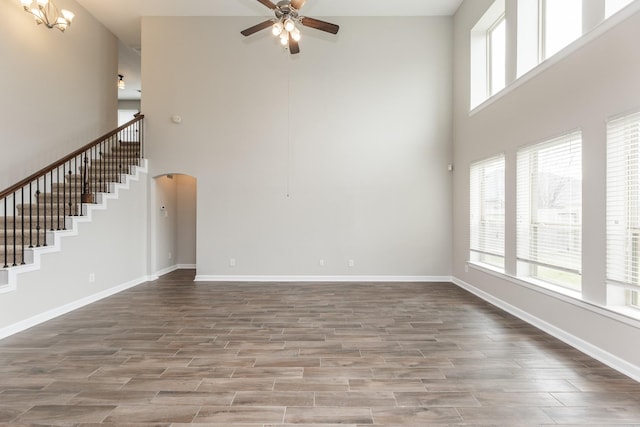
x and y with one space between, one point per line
172 352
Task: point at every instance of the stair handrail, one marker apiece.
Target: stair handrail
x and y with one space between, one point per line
52 166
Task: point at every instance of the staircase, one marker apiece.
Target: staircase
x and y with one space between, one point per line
34 210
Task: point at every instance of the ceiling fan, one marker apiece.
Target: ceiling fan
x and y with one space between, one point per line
284 24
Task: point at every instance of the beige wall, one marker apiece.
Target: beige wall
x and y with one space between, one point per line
187 220
340 153
579 91
57 90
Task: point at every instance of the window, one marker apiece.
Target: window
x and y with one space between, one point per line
488 54
549 211
623 204
561 23
634 299
487 211
496 48
613 6
544 28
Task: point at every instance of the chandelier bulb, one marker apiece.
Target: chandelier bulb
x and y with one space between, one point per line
295 34
68 15
42 3
289 25
26 4
277 28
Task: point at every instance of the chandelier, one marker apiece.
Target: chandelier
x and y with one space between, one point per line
285 24
45 12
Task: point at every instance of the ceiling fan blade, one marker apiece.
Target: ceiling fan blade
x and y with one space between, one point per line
294 47
320 25
256 28
268 3
297 4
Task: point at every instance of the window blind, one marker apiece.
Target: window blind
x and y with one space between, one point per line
487 210
623 200
549 204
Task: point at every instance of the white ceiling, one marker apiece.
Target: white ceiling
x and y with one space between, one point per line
122 17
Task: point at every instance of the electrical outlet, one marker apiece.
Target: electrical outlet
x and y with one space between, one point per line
466 268
351 263
92 277
232 262
170 255
321 263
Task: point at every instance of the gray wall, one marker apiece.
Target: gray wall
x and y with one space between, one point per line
58 89
340 153
581 90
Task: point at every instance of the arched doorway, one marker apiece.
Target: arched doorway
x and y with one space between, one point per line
175 222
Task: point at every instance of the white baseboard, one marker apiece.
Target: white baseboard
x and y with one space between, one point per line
166 270
597 353
172 268
316 279
59 311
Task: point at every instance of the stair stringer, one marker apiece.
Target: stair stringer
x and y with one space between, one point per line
10 279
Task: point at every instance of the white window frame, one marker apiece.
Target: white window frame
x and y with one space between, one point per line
480 86
623 210
531 40
485 248
535 257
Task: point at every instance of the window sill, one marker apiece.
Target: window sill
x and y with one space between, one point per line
625 310
623 314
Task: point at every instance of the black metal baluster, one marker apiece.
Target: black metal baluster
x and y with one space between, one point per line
30 214
38 213
77 190
15 237
6 251
52 204
58 194
70 185
44 203
141 137
22 224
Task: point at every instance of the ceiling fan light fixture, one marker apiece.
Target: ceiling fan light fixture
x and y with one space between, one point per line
285 23
277 28
284 38
289 25
295 34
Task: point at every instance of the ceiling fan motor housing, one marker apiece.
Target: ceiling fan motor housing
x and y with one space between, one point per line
284 10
